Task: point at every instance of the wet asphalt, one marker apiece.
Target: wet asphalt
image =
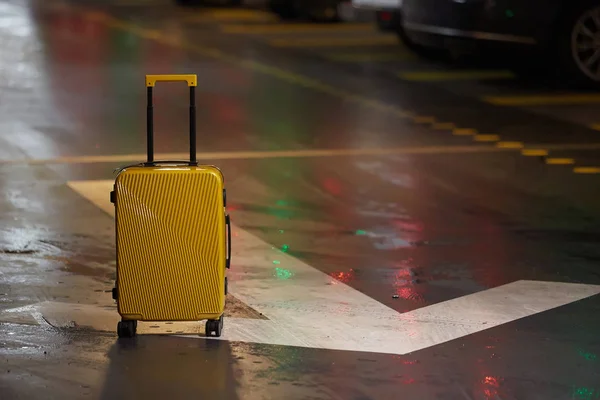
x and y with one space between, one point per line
439 216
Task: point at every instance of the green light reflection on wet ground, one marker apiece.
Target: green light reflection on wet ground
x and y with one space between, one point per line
585 393
283 274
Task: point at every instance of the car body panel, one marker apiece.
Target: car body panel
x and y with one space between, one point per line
518 21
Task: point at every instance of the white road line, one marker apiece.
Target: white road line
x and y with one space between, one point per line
308 308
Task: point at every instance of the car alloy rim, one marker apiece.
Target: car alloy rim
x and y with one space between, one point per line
585 43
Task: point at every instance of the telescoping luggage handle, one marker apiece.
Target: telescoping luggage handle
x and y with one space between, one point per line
228 226
192 82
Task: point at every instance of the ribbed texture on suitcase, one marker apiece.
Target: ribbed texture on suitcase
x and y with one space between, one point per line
170 242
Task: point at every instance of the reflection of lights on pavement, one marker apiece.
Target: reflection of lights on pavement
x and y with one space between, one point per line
386 238
382 210
490 386
386 173
283 274
404 281
587 355
332 186
409 226
342 276
276 262
408 293
585 393
492 381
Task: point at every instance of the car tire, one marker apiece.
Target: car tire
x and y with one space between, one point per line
572 63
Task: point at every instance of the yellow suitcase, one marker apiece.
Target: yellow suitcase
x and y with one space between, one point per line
173 235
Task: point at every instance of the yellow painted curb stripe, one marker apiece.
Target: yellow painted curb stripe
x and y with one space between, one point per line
229 16
423 120
486 138
534 152
542 100
436 76
443 126
464 132
586 170
560 161
510 145
335 42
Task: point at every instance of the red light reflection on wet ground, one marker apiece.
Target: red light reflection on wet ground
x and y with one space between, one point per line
490 386
332 186
343 276
404 283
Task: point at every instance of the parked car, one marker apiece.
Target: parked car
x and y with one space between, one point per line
387 12
388 17
553 33
315 10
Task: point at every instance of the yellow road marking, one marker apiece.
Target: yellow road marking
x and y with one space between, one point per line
423 120
443 126
230 15
486 138
239 155
543 100
534 152
510 145
368 57
586 170
595 127
560 161
306 81
263 29
335 42
464 132
308 153
436 76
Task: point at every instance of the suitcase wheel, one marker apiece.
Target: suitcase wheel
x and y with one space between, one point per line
127 328
214 326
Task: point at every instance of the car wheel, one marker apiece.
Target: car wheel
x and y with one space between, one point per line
578 45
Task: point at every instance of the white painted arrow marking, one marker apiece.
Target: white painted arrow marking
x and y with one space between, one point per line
311 309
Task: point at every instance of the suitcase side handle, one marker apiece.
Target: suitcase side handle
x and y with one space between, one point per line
151 81
228 223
